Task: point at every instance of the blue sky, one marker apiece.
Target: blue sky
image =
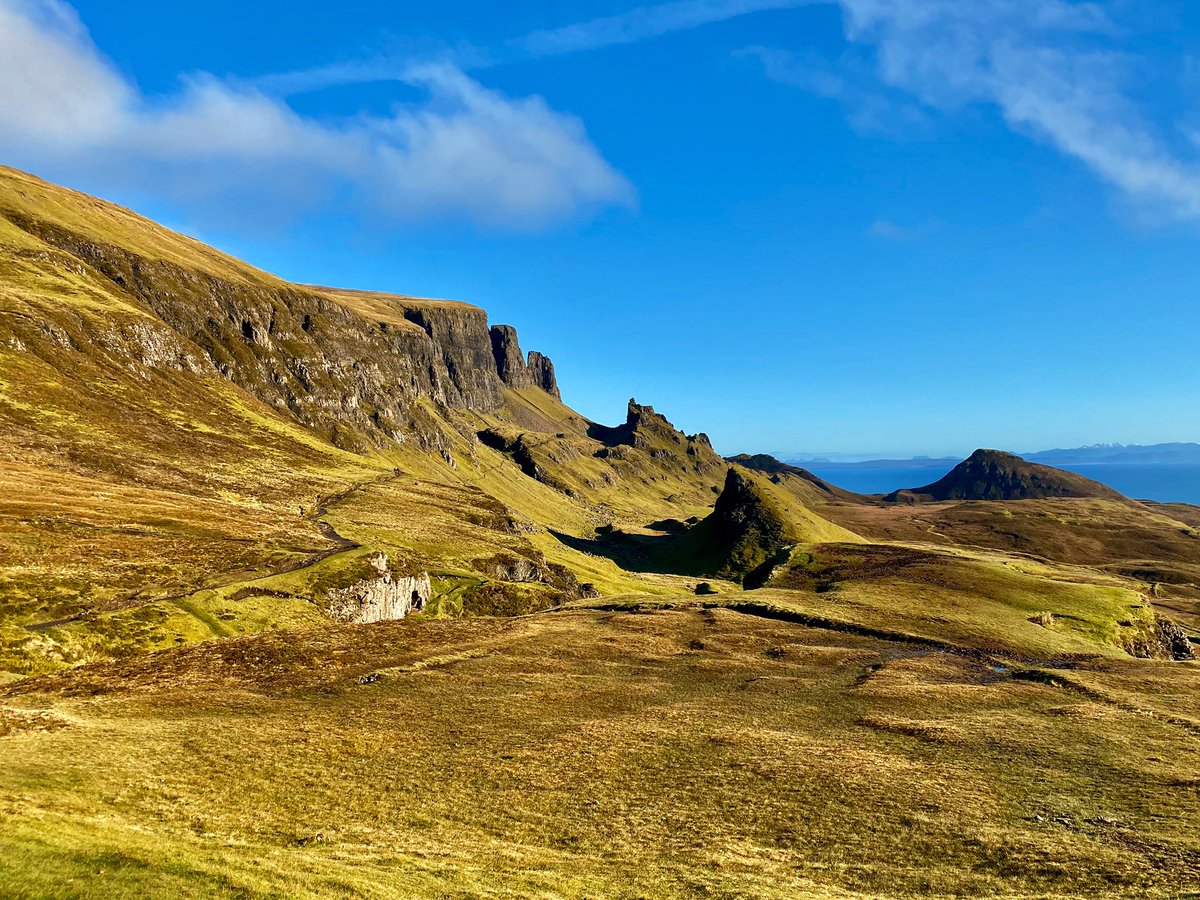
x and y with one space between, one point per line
874 226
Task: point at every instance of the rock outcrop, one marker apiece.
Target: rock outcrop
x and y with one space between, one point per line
514 369
995 475
350 364
542 371
650 431
1161 639
382 598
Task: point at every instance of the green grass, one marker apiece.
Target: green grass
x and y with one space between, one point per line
670 754
922 701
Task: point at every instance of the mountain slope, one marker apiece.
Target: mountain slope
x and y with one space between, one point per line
194 448
995 475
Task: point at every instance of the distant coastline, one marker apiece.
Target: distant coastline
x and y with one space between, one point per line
1096 454
1162 482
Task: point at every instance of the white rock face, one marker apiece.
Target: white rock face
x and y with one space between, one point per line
381 599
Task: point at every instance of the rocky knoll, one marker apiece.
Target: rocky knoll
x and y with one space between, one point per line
746 532
995 475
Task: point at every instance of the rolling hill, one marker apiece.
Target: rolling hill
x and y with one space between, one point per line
316 592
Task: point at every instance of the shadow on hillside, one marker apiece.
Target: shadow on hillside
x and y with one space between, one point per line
632 552
609 436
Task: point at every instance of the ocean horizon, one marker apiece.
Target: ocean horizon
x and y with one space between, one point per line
1162 482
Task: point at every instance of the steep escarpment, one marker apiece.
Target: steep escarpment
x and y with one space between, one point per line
348 364
995 475
514 369
305 350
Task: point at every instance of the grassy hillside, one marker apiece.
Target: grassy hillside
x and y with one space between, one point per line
642 671
667 753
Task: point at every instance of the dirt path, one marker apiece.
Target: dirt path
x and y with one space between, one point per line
340 543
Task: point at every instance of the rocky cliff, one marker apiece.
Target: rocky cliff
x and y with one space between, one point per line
383 598
348 364
514 369
542 371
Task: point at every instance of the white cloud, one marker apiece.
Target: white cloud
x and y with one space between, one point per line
644 23
466 152
1052 68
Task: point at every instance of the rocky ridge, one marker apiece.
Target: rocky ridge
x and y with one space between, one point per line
517 371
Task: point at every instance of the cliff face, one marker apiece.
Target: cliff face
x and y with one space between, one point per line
542 371
514 369
510 364
380 599
349 364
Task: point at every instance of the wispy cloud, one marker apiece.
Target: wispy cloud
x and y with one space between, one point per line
886 230
1054 70
465 152
644 23
850 81
640 24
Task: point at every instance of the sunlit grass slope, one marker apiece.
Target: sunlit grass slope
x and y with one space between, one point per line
673 753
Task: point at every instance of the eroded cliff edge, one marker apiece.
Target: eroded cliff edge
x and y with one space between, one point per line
348 364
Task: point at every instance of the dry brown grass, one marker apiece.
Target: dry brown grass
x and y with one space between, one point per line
668 754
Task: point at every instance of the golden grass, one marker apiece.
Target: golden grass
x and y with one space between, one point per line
667 754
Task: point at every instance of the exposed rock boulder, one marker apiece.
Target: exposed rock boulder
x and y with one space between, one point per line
1162 639
382 598
515 569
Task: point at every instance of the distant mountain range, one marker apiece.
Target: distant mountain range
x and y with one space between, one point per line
1119 454
1106 454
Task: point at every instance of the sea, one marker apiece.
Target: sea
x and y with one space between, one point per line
1164 482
